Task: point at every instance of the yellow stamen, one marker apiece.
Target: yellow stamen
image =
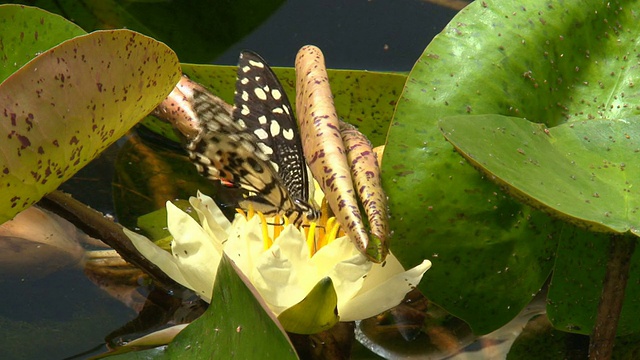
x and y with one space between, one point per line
251 212
277 229
311 238
333 233
267 241
323 240
241 212
324 211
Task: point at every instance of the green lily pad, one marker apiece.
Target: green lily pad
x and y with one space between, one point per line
547 61
317 312
235 326
65 106
365 99
28 31
582 171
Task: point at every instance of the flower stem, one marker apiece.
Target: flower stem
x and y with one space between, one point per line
621 248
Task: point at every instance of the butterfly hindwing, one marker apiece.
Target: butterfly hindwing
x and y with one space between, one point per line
224 150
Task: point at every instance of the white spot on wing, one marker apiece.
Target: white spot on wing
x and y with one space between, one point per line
274 128
276 94
246 69
265 149
256 64
288 134
244 81
277 110
262 119
261 134
245 110
245 96
203 159
260 94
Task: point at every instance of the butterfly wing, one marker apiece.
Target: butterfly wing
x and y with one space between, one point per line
262 107
225 150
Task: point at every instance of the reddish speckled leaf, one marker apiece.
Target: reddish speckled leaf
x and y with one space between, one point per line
64 107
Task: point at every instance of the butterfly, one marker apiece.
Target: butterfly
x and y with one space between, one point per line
256 147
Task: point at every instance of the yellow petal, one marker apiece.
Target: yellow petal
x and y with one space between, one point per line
385 290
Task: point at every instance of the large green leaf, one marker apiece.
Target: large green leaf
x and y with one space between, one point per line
197 30
26 32
582 171
542 60
65 106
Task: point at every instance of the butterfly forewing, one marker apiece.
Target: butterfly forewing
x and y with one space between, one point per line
262 107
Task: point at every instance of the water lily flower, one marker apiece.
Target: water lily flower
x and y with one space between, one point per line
284 263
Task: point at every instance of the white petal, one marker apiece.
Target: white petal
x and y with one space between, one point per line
385 295
283 274
345 265
157 338
159 257
381 272
210 215
194 251
245 244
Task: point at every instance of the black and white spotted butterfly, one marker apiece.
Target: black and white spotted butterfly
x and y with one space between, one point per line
258 147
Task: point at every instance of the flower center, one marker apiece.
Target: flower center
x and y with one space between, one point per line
317 233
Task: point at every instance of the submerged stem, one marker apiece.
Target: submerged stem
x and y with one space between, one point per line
621 248
94 224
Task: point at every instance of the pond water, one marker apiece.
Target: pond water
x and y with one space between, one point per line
66 316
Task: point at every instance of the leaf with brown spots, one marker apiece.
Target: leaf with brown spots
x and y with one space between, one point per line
63 108
323 146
